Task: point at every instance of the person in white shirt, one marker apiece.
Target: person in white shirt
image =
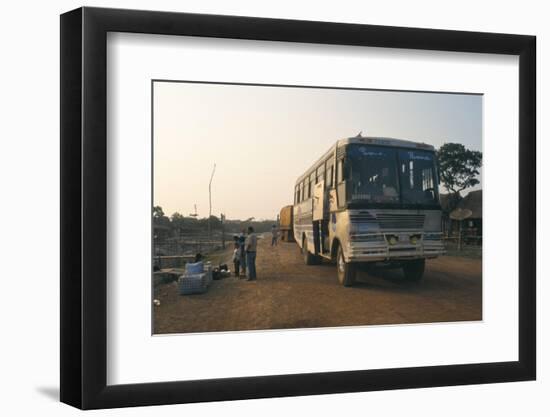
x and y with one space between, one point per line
236 255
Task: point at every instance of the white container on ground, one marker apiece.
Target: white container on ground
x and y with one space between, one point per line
193 283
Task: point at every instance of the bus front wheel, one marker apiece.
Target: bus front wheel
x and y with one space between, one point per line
309 258
414 270
346 270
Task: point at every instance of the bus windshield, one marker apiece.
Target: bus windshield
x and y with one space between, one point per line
417 177
373 174
380 174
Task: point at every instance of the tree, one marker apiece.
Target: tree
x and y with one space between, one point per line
177 221
211 223
157 212
161 223
458 168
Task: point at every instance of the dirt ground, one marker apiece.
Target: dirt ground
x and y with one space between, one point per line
289 294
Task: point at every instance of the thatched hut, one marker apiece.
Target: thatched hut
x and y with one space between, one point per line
472 227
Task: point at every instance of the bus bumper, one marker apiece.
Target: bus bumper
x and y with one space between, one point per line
394 246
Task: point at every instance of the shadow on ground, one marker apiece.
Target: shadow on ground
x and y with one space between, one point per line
50 392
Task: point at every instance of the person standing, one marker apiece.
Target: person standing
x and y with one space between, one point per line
250 246
236 255
242 252
274 235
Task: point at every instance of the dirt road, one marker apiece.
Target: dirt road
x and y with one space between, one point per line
289 294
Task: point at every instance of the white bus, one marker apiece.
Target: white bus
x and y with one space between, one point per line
370 200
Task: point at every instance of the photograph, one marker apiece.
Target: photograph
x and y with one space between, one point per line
299 207
266 209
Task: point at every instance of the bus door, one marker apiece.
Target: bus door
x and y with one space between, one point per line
318 216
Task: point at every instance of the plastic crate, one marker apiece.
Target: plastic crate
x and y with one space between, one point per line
193 283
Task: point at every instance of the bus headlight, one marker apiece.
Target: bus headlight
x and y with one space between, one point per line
392 239
414 239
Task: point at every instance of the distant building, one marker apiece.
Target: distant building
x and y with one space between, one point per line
473 225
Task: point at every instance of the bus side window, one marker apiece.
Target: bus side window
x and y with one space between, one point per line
330 175
320 173
301 193
339 171
297 195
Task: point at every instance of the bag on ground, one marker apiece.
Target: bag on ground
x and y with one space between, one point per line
194 268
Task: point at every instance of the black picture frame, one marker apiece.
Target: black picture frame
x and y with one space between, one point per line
84 207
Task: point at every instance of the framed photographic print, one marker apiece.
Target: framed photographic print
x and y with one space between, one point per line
258 207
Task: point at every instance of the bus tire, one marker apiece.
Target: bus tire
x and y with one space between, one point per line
414 270
346 270
309 258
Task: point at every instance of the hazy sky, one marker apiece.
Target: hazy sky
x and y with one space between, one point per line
263 138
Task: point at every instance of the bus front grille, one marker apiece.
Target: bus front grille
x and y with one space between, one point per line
388 221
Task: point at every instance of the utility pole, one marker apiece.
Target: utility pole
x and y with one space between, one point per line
222 218
210 203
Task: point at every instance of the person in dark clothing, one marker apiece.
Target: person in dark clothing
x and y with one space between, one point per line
250 246
242 253
274 235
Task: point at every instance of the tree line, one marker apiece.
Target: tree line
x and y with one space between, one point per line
179 224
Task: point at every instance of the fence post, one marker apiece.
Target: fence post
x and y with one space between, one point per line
222 218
